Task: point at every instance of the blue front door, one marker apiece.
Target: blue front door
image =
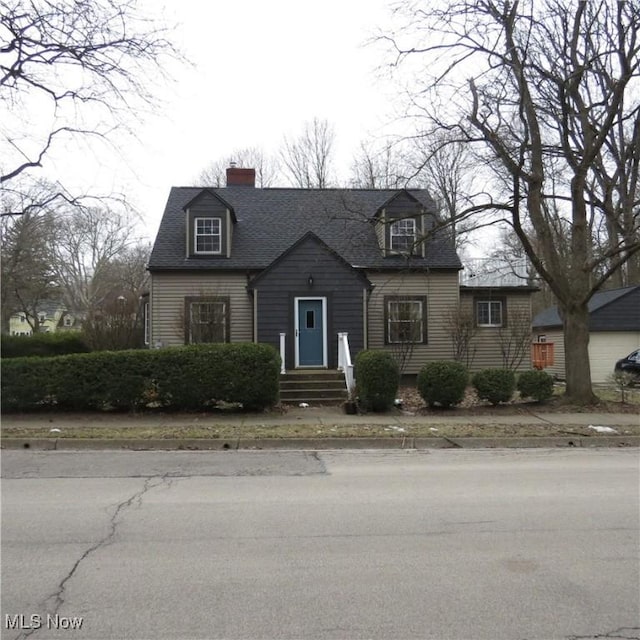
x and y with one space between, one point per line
310 333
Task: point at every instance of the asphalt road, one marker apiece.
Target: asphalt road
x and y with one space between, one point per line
495 544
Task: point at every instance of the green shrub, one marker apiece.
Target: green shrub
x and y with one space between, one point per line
535 384
443 383
43 344
494 385
377 378
193 378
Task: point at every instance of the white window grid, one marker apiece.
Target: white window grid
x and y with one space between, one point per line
489 313
208 319
208 236
403 234
405 321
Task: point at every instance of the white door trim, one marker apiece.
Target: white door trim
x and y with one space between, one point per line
296 324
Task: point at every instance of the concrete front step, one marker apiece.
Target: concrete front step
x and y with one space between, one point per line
313 386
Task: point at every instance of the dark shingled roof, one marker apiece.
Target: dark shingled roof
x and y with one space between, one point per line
269 221
610 310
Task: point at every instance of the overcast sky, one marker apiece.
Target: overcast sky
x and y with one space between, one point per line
260 71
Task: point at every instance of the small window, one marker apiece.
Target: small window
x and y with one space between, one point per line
208 237
403 235
68 321
311 319
406 320
489 313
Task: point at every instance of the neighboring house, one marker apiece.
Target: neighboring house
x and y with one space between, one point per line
295 267
52 317
614 331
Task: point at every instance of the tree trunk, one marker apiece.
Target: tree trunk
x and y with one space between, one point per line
576 348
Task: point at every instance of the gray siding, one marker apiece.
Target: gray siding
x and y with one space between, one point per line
488 342
441 291
168 293
333 279
206 206
403 207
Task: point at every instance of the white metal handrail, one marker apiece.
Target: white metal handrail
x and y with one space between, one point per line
344 363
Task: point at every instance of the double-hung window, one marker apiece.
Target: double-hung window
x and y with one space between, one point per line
403 235
489 313
207 320
405 320
208 235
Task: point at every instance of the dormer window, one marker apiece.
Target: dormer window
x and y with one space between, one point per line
208 235
403 235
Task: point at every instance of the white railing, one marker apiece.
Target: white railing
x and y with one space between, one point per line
344 363
283 337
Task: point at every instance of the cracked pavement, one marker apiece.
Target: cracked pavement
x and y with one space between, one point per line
52 604
529 545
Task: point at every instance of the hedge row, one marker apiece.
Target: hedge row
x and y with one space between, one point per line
43 344
189 378
443 383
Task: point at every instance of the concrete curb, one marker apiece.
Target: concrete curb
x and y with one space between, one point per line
316 444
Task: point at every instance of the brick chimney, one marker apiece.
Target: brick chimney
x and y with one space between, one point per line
238 177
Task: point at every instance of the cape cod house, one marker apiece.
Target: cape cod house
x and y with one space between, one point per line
300 268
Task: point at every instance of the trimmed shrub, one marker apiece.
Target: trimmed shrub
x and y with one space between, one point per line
377 378
43 344
494 385
193 378
443 383
535 384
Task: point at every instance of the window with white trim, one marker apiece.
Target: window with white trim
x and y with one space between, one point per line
403 235
208 235
207 320
405 320
489 313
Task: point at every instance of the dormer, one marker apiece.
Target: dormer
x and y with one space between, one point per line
209 223
401 226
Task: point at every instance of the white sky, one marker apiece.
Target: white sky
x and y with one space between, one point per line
261 70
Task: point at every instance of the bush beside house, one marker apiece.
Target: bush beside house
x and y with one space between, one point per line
377 377
494 385
443 383
535 384
178 379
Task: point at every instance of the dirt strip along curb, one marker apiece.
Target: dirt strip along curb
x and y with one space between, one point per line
197 444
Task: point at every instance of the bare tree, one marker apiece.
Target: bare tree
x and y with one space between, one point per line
116 325
250 157
117 321
449 170
380 167
549 85
461 327
307 159
90 244
515 339
69 70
